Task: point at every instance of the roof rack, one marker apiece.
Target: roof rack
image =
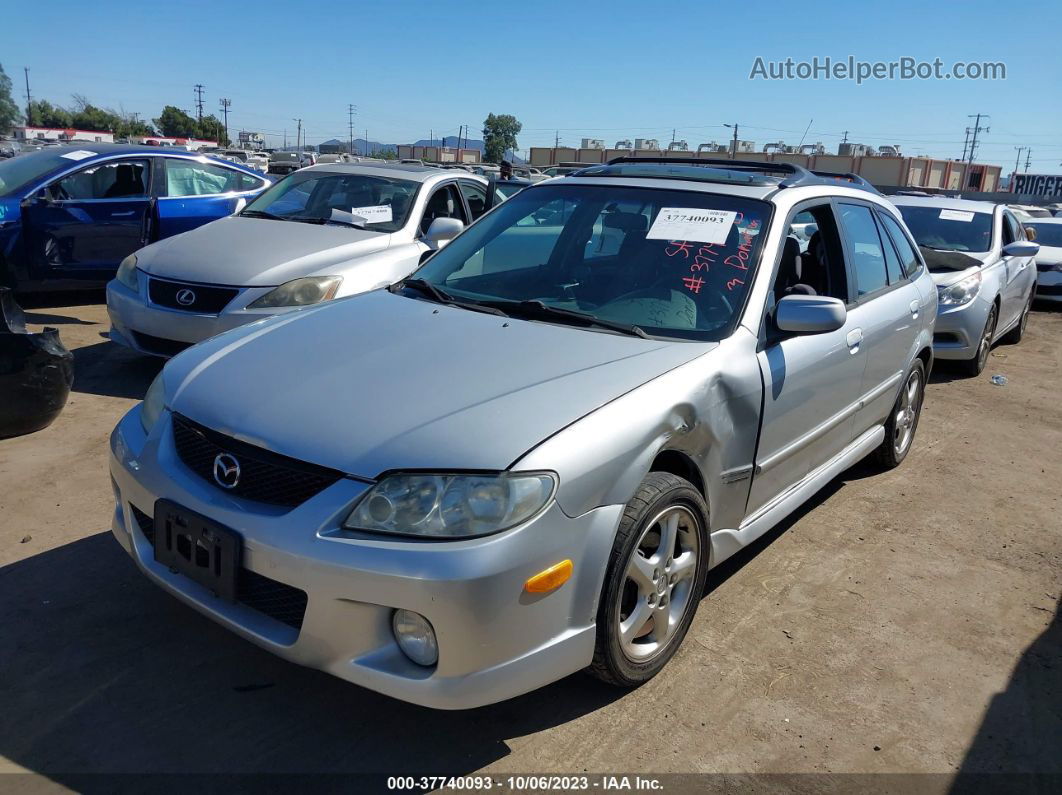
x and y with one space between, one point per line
792 174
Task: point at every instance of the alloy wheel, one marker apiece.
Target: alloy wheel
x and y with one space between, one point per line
907 413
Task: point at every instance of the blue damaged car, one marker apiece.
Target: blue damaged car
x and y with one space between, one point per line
70 214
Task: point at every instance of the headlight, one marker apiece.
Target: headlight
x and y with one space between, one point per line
451 506
300 292
153 403
127 273
961 292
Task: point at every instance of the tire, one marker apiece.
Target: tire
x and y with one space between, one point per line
631 591
976 365
903 421
1015 335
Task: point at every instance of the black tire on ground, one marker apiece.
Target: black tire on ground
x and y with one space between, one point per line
904 417
659 492
976 365
1015 335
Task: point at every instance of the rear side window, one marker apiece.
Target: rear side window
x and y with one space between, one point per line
190 178
912 265
864 247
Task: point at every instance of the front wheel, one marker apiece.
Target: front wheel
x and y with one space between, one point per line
654 583
976 365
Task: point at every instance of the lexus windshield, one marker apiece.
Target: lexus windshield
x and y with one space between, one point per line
379 204
663 262
946 229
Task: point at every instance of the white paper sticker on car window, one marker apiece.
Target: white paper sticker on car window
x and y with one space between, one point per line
956 215
692 223
378 214
80 154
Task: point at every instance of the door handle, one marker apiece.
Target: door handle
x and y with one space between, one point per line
123 215
854 338
915 306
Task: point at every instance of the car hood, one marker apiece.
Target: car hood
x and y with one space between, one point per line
379 382
256 252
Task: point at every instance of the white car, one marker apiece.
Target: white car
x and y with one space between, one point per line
1049 259
321 233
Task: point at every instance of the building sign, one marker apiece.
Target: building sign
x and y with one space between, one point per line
1047 185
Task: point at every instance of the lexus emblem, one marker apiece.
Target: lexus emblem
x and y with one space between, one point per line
185 297
226 471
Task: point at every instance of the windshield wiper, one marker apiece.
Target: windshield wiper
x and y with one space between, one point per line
262 214
441 296
544 311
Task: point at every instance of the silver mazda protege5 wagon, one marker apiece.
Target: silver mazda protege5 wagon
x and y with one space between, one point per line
522 460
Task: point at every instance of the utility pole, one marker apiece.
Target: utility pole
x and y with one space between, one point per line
845 139
966 145
734 145
285 138
977 128
199 101
350 126
556 139
1017 160
298 134
225 105
29 99
1028 156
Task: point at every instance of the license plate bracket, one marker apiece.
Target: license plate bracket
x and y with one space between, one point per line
197 547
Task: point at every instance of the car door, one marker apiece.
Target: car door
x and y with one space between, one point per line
194 191
1020 274
811 382
889 306
83 224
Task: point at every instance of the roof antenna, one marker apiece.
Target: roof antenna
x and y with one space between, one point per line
805 135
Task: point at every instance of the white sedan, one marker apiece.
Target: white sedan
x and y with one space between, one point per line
321 233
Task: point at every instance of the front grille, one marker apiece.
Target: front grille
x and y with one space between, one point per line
283 603
264 476
1049 289
204 299
158 345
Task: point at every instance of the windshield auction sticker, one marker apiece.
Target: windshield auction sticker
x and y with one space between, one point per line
80 154
956 215
378 214
692 223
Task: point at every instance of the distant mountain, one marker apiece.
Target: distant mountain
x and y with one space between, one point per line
450 140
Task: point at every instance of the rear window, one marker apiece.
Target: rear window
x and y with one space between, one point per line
1047 234
947 229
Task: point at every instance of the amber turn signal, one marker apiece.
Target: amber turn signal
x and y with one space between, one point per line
553 577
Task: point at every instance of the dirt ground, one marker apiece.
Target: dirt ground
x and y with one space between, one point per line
902 622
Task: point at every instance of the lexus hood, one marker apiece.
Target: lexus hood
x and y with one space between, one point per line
379 382
256 252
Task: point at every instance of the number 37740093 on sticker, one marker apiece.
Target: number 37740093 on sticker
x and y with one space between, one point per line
692 223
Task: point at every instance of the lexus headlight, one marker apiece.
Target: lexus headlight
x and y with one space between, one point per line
962 292
127 273
299 292
451 506
152 406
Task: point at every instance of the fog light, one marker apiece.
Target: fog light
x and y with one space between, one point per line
415 637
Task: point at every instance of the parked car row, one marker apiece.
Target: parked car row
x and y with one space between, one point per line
452 445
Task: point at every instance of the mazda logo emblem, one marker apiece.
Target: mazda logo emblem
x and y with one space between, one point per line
185 297
226 471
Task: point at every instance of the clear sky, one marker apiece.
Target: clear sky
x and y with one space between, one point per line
609 70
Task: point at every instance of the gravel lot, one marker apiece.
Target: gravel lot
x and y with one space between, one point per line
901 622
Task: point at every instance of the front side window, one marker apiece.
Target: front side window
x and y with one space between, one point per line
191 178
476 196
123 179
379 204
673 263
864 247
947 229
1011 229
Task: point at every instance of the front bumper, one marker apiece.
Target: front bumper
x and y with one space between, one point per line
1049 285
158 331
495 640
958 329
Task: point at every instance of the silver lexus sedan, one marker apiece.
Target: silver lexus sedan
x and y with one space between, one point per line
523 460
985 271
323 232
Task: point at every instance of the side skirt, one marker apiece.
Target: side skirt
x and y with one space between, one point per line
726 542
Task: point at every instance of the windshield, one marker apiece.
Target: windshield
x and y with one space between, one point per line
610 253
946 229
1047 234
22 171
380 204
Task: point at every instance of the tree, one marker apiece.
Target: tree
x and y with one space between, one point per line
9 114
89 117
175 123
212 129
499 134
45 114
387 154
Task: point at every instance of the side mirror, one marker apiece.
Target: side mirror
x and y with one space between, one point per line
442 231
1021 248
809 314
